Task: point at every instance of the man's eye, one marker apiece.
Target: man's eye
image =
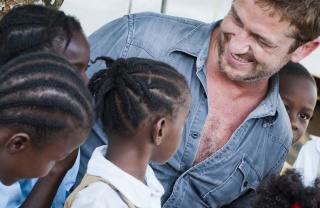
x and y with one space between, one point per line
235 19
304 116
263 44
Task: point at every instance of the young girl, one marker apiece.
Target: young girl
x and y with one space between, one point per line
31 28
298 92
45 114
143 105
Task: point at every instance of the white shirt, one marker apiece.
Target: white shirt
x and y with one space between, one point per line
308 161
101 195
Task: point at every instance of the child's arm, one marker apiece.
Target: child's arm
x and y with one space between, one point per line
44 191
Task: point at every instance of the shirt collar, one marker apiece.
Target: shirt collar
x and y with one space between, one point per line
137 192
194 42
269 106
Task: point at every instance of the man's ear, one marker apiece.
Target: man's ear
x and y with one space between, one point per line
17 142
303 51
158 131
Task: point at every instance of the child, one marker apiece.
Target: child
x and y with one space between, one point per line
298 91
45 114
286 191
31 28
143 105
37 28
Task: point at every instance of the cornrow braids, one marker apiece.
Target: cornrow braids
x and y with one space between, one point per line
42 93
129 90
30 28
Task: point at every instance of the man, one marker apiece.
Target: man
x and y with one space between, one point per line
238 131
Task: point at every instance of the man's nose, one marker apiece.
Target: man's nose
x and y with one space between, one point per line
240 43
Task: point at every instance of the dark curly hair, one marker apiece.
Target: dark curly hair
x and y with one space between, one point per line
287 191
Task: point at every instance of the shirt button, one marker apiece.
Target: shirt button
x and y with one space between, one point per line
194 135
245 184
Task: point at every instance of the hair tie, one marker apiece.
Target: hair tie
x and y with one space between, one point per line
296 205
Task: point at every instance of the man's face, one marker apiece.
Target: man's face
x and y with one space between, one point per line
253 45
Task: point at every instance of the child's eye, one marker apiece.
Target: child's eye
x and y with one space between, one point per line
304 116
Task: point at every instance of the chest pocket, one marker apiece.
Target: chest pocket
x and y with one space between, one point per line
244 178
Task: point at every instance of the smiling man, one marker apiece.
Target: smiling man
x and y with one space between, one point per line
238 132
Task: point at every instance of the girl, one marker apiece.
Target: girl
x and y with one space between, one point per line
31 28
45 114
143 105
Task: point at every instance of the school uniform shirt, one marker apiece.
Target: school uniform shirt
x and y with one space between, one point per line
13 196
101 195
307 162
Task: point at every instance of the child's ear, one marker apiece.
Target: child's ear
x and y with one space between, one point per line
17 142
158 131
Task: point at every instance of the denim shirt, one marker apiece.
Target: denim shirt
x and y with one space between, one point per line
256 149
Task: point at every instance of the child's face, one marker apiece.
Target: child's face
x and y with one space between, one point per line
78 53
299 96
173 132
33 162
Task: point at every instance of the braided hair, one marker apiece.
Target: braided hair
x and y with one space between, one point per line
29 28
286 191
41 93
131 89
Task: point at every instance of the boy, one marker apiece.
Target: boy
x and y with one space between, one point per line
298 92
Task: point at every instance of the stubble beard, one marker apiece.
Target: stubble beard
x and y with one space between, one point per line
258 72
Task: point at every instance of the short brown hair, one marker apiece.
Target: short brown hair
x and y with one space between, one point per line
304 15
